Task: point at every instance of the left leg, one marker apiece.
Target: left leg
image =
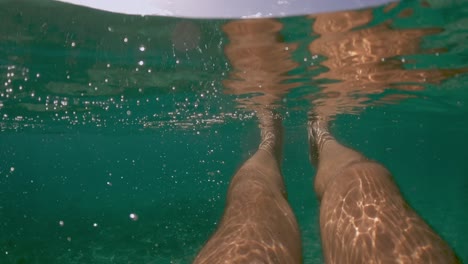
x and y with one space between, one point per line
258 226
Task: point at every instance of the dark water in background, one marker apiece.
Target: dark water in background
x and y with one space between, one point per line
105 115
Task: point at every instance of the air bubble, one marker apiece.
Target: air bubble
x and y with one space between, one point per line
133 216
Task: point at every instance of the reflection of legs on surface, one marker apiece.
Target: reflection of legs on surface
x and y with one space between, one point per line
363 217
258 226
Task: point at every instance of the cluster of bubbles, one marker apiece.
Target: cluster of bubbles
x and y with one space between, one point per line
23 107
115 95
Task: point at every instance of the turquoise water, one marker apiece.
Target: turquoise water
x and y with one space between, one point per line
105 115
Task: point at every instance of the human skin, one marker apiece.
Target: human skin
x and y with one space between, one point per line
258 225
363 216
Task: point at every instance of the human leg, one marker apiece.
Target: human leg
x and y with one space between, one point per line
258 226
363 216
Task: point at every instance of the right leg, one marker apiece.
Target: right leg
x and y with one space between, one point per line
363 216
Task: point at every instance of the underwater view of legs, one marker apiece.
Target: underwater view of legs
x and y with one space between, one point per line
363 216
258 225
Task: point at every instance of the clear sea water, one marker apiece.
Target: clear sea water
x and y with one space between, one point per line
119 134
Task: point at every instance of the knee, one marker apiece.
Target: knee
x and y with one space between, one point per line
251 179
356 174
366 168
